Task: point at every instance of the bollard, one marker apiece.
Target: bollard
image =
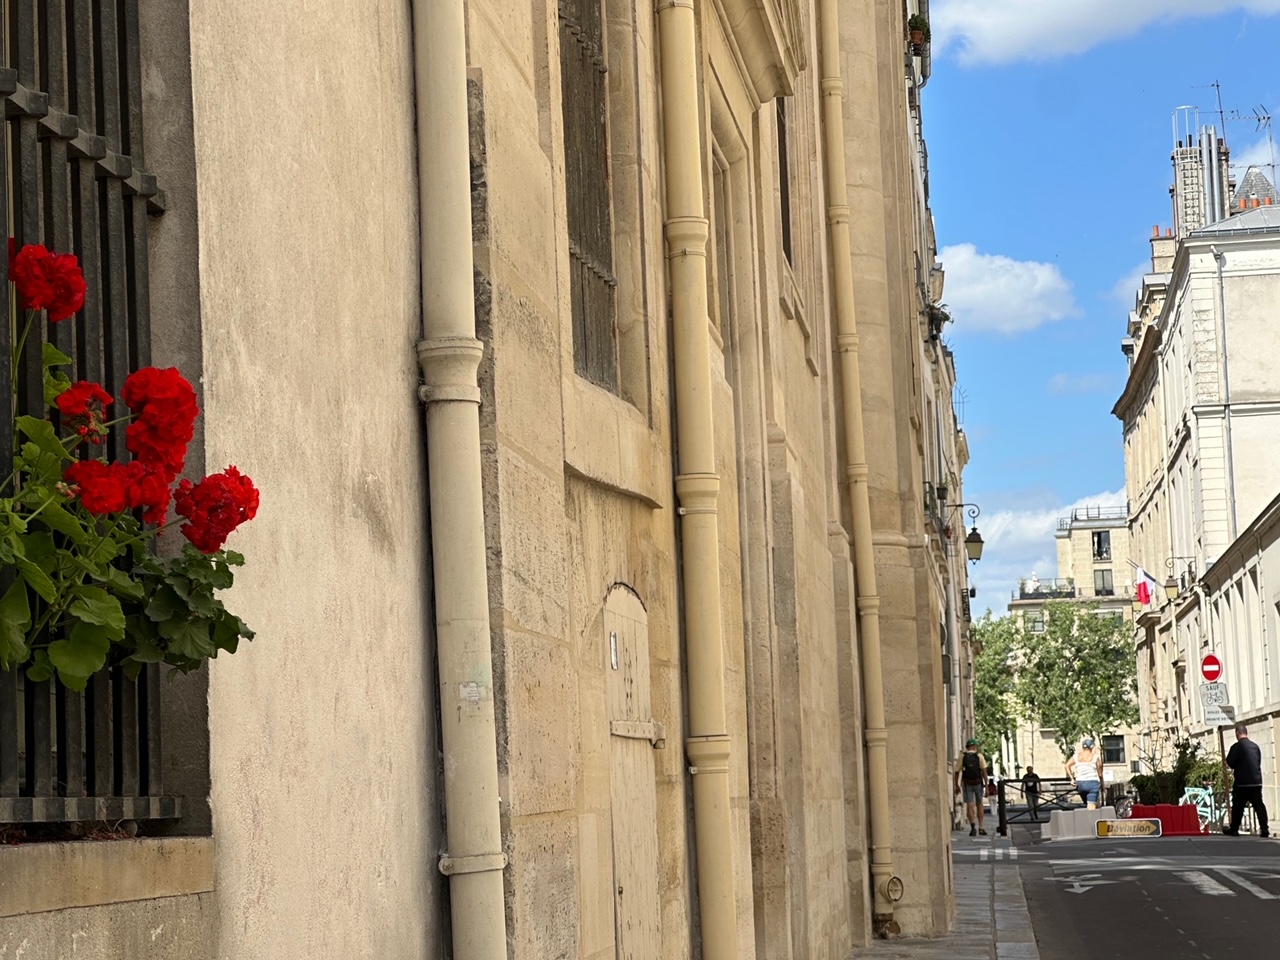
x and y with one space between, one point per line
1003 812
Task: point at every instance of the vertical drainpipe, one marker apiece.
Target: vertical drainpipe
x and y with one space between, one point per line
697 484
887 889
450 357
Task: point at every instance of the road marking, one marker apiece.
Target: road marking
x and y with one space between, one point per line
1205 883
1240 881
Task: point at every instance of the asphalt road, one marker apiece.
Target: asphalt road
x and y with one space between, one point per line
1202 898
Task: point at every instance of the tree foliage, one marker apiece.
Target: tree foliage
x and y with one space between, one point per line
995 703
1078 676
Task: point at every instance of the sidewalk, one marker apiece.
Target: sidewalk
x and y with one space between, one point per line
992 922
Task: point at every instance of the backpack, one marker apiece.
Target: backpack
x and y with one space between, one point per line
971 768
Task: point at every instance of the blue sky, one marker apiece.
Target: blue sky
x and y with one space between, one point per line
1049 127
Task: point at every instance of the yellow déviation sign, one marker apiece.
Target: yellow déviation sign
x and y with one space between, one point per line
1128 828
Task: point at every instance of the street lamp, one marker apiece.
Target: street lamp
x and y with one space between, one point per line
1172 586
973 542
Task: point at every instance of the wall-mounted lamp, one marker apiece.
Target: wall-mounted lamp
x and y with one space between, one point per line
973 542
1173 585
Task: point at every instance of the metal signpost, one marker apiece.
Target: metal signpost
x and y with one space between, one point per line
1217 704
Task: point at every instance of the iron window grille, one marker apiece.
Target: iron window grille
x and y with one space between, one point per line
76 181
588 193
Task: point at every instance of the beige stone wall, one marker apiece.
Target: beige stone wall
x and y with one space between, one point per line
324 802
579 500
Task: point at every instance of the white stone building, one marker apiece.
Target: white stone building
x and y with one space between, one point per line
1201 414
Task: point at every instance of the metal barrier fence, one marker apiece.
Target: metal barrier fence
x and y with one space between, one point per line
1052 795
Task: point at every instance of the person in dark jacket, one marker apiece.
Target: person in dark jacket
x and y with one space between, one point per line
1245 760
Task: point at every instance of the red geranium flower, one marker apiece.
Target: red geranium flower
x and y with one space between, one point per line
102 487
83 405
47 281
215 506
166 410
147 488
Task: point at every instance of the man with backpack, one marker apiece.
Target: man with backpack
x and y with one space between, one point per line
971 776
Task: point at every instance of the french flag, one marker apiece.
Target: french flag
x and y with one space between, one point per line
1146 586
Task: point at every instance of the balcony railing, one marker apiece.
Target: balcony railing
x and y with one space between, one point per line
1056 589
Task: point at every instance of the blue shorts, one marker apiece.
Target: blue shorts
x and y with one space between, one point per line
1089 790
974 793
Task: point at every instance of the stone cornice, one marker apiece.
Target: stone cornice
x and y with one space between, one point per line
767 35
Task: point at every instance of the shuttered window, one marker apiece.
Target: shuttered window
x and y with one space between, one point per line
588 197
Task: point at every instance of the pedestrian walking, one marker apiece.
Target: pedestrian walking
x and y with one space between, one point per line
1031 790
1245 760
971 774
1085 770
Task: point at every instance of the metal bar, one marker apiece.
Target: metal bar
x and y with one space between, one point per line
152 747
136 209
98 739
60 127
8 733
70 742
126 734
38 708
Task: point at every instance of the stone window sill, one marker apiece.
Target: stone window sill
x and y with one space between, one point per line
38 877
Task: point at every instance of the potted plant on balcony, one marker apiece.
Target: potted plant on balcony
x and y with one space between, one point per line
81 589
918 28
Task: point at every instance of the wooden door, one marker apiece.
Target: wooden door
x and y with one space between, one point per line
633 738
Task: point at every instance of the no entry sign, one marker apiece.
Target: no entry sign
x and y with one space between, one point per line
1211 668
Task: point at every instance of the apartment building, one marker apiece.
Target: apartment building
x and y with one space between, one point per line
1201 410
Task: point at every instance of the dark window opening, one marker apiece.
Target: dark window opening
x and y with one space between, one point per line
1113 749
1102 545
1102 584
784 178
587 190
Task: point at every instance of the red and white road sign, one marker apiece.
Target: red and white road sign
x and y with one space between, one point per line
1211 668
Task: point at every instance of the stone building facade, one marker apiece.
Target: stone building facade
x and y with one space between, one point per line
606 658
1199 414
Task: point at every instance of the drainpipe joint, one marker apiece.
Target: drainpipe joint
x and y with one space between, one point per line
449 368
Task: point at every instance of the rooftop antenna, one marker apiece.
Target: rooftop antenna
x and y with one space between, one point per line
1222 116
1261 119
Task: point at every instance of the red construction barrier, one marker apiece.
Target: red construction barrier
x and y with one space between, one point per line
1175 821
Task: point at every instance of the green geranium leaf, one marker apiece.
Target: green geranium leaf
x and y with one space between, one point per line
41 669
227 631
15 620
233 558
81 655
41 433
120 583
95 606
58 518
54 386
188 638
145 651
37 579
53 357
106 551
132 668
166 605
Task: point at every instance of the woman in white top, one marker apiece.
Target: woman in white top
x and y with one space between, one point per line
1085 770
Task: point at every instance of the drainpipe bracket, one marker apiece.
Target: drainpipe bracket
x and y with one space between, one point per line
483 863
708 754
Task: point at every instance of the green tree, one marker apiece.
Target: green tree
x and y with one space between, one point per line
1078 676
994 700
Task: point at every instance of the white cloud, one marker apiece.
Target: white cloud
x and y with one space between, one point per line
1066 384
995 293
1005 31
1257 154
1125 291
1020 542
